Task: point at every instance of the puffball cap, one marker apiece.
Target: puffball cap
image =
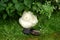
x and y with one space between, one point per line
28 20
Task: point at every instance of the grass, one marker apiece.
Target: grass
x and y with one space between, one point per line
50 29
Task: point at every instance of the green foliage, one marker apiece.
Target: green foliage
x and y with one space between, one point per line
13 7
11 10
45 9
19 6
50 29
4 16
2 6
28 3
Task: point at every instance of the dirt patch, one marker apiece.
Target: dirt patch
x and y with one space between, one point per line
32 39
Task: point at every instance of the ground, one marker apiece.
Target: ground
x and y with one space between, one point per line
50 29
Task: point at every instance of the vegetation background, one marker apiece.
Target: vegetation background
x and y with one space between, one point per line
47 11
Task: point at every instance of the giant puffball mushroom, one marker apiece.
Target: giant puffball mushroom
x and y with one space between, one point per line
28 20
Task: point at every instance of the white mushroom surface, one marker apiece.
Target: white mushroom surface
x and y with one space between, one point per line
28 19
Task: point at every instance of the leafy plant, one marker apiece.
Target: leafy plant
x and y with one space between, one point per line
13 7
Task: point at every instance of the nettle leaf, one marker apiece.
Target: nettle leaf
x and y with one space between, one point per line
10 9
39 5
48 9
57 1
19 6
2 6
36 7
4 16
42 12
15 1
28 3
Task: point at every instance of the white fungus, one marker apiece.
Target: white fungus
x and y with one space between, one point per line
28 20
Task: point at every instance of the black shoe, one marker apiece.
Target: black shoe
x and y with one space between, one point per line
31 31
35 32
26 31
